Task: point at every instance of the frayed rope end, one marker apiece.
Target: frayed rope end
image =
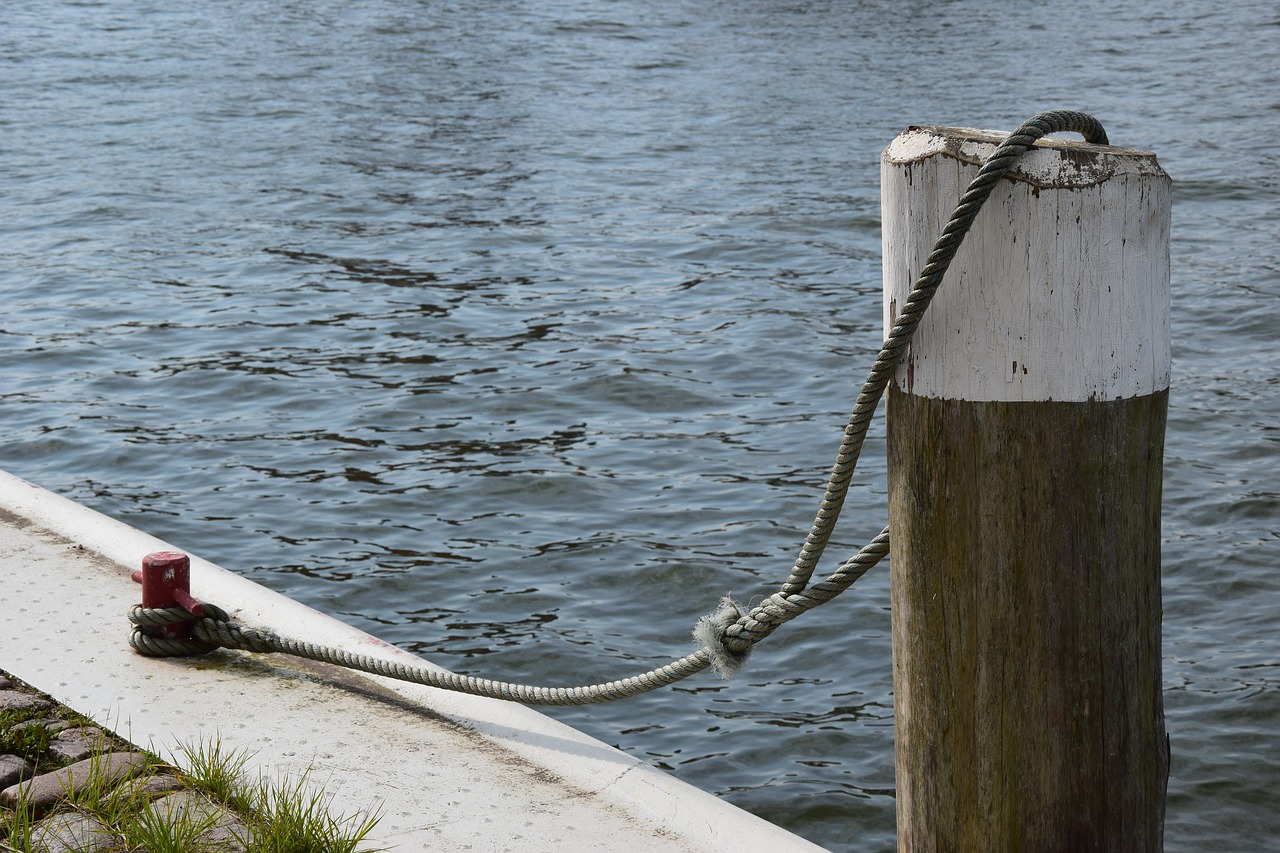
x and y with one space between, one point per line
709 633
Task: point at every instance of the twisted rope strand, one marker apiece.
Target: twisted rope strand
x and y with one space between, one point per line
213 632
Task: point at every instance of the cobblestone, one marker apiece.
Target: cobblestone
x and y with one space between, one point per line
43 787
13 769
41 794
223 830
78 744
73 832
15 700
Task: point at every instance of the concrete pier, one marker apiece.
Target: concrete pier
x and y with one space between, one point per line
447 771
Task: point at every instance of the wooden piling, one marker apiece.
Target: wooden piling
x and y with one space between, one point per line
1025 442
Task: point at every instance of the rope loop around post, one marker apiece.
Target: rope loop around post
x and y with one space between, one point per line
152 645
930 278
727 635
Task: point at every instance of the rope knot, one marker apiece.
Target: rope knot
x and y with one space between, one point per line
710 634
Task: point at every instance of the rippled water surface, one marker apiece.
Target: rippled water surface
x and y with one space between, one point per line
519 333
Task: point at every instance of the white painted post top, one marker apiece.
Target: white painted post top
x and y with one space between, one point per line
1060 291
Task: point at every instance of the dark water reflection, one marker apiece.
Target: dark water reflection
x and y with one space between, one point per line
518 334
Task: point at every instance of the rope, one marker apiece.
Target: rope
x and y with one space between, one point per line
216 630
909 316
727 635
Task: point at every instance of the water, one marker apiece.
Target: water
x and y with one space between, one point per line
519 333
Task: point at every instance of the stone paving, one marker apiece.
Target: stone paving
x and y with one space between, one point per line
45 782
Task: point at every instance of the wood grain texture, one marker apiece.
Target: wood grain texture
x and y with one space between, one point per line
1026 623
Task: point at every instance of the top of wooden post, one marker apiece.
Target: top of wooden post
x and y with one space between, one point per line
1060 291
1053 161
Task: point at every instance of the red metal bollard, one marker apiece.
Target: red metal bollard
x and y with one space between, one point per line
166 579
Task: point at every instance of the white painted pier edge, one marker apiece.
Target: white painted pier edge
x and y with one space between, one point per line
448 771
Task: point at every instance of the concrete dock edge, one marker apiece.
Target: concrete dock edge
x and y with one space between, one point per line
447 771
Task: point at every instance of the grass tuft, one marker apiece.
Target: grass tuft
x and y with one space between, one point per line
20 736
284 816
17 826
169 830
301 822
217 773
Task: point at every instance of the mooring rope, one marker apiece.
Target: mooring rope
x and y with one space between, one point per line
727 635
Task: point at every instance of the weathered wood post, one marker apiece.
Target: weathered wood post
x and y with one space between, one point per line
1025 443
